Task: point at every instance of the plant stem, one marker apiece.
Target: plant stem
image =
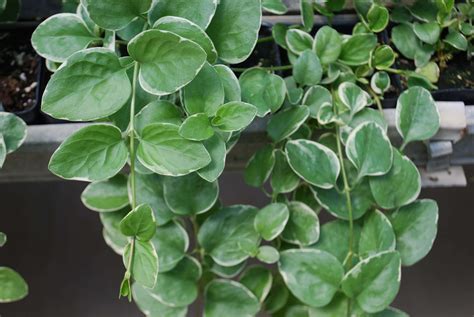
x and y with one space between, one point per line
265 39
133 190
271 68
378 102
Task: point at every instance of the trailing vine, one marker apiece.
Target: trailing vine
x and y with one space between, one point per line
159 82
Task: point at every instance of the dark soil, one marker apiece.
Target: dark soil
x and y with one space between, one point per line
18 72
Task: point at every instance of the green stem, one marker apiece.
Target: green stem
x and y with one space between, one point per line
265 39
378 102
271 68
133 190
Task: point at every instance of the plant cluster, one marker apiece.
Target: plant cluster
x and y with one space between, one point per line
156 79
12 134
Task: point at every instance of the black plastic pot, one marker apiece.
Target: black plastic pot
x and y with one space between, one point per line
25 29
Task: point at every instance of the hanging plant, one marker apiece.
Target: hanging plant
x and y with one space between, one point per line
155 78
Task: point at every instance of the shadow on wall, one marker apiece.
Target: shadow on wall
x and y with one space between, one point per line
57 245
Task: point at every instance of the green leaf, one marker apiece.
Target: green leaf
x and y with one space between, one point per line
234 116
383 57
173 55
356 50
159 111
303 225
307 69
427 32
198 11
178 287
415 227
94 153
230 299
74 94
196 128
274 6
303 155
171 243
268 254
217 150
337 307
327 45
139 223
234 227
294 92
369 149
205 93
417 116
457 40
13 129
298 41
113 15
165 152
278 296
263 90
106 196
258 280
380 82
307 14
279 34
149 191
317 284
377 18
131 30
144 264
353 97
188 30
227 271
150 306
260 166
363 6
13 287
374 282
230 83
285 123
190 194
377 235
315 98
3 239
297 311
305 195
335 239
111 231
234 29
60 36
271 220
283 180
405 40
400 186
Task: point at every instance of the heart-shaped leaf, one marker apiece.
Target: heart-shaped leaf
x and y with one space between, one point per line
229 298
190 194
271 220
400 186
327 45
285 123
94 153
317 284
234 116
353 97
303 225
234 227
205 93
173 55
374 282
415 226
377 235
171 242
73 94
105 196
307 69
196 128
139 223
303 155
199 12
369 149
165 152
356 50
60 36
417 116
234 29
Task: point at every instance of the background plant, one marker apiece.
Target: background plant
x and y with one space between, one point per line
155 77
12 134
